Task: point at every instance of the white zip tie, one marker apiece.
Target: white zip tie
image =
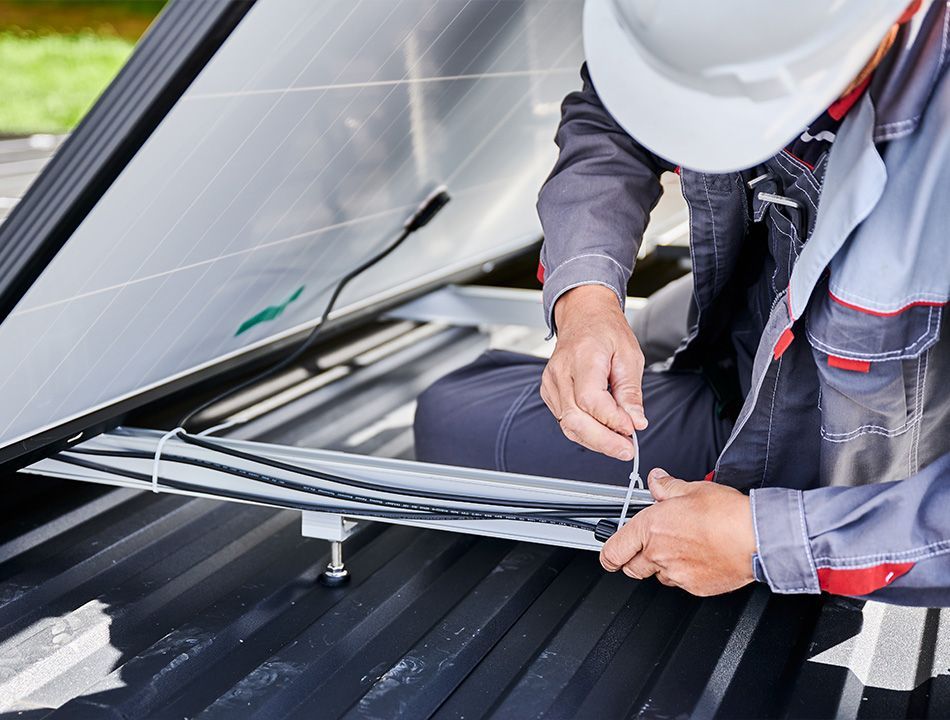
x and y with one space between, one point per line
158 454
635 482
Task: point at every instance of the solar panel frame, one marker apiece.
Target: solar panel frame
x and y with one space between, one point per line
171 54
165 63
68 204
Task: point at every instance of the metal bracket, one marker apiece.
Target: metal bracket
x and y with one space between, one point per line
325 526
469 305
336 529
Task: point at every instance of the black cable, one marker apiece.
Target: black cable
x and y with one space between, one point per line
320 475
421 509
561 509
238 495
426 211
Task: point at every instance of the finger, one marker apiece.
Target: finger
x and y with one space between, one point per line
622 546
626 385
664 486
592 396
666 579
640 567
549 394
585 430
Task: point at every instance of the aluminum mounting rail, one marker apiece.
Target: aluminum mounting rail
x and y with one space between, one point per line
202 470
474 305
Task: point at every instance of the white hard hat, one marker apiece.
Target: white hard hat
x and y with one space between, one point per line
720 85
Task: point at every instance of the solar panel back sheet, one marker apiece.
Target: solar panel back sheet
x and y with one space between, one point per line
297 152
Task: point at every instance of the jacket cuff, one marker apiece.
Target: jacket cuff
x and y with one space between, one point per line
784 553
587 269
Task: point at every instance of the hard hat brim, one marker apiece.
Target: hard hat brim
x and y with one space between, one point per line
698 130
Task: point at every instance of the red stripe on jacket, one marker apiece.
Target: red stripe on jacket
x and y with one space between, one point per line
891 313
860 581
843 363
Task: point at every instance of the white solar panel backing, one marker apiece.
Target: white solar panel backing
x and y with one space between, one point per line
297 152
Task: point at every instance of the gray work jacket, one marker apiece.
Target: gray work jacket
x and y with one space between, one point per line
843 438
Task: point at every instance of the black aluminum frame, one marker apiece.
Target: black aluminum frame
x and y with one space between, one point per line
169 57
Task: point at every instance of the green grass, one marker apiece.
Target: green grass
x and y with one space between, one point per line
57 56
48 82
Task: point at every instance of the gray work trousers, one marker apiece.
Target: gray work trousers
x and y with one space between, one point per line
489 414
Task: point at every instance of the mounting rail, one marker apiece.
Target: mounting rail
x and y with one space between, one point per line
201 471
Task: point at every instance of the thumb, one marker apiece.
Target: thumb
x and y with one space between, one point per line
664 486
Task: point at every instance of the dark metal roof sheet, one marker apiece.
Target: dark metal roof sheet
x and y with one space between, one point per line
142 605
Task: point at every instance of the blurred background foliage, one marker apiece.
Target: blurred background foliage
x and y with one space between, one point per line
57 56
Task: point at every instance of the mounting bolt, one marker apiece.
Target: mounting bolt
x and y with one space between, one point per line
336 573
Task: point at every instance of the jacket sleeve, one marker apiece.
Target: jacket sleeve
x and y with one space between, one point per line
887 541
596 202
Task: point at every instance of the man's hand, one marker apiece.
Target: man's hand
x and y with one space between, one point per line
697 536
592 381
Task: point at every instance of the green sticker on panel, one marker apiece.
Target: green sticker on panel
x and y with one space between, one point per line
269 313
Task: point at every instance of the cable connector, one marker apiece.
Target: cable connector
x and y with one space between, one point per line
604 530
428 209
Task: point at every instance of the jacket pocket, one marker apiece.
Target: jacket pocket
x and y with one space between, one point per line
871 367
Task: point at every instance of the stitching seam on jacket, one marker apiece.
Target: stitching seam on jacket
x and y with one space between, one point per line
909 122
765 570
692 258
791 248
926 336
808 553
581 257
867 430
802 172
798 170
902 303
758 542
768 439
921 386
915 418
715 241
927 552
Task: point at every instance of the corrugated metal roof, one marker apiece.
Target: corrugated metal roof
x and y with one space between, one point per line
117 603
125 604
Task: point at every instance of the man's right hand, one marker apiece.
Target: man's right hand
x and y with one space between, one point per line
592 381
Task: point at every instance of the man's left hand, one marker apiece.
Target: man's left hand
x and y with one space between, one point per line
697 536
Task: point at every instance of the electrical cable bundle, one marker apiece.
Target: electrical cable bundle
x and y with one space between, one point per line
552 513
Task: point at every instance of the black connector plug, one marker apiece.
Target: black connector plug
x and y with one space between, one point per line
428 209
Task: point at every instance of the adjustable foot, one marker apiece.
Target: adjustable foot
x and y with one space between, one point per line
336 573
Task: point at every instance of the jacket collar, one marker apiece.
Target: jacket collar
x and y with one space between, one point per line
903 84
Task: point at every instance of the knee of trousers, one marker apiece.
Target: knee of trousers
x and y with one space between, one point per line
432 407
460 417
447 428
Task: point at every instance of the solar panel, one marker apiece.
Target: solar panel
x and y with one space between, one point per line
298 150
